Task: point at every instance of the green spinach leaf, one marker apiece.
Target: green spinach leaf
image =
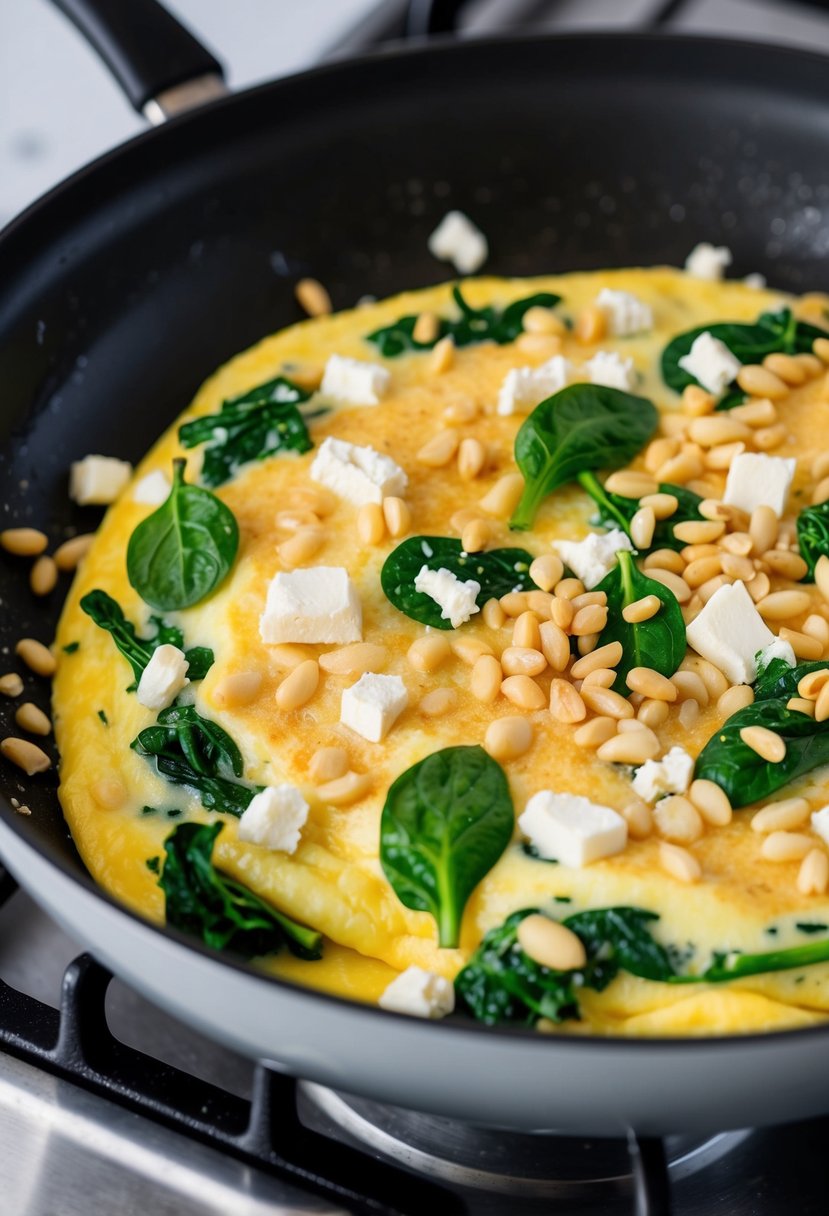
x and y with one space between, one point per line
813 536
253 426
582 428
181 553
488 324
445 823
616 511
779 680
498 571
108 615
658 642
217 909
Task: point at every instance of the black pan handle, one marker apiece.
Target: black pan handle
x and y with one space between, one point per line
428 17
147 50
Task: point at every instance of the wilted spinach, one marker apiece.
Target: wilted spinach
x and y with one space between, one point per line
108 615
182 552
489 324
779 680
217 909
445 823
813 535
497 571
617 511
658 642
253 426
579 429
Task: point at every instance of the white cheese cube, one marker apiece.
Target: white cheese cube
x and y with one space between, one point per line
358 474
317 604
457 240
755 480
152 490
372 705
98 480
274 818
595 556
778 649
670 775
419 993
455 597
711 363
820 823
707 261
526 387
626 313
572 829
729 631
163 678
354 381
609 368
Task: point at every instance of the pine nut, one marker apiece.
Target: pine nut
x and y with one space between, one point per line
562 613
688 714
526 633
299 686
811 364
678 820
443 356
680 589
642 610
665 559
472 458
606 701
397 515
659 451
287 655
508 738
355 659
758 381
711 676
36 656
437 452
550 944
438 702
721 457
43 576
799 705
426 328
541 346
566 704
503 498
734 699
763 528
546 571
741 568
699 532
770 437
459 519
821 348
758 587
428 653
700 571
371 523
587 643
690 687
810 685
630 747
591 325
236 689
766 743
653 713
695 553
804 647
469 649
738 543
476 536
821 491
485 681
786 564
642 526
555 645
461 411
782 816
11 684
523 692
591 619
662 505
679 863
680 469
539 320
29 717
786 846
514 603
312 296
327 764
609 655
639 820
540 602
822 575
109 793
817 627
780 605
301 547
822 704
23 542
696 401
595 732
569 588
344 790
69 555
25 755
651 684
716 429
756 413
711 802
493 614
813 876
707 589
602 677
785 368
629 484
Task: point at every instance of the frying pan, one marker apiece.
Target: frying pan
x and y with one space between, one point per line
125 286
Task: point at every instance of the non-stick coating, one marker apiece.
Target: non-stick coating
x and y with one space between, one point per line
126 287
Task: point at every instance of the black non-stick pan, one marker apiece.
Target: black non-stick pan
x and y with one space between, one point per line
124 287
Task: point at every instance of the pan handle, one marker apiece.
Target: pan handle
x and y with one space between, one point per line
158 63
428 17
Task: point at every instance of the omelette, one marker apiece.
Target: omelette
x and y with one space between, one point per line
437 530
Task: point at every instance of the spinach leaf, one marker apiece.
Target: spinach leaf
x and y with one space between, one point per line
733 965
581 428
747 777
445 823
488 324
498 571
181 552
220 911
617 511
658 642
250 427
108 615
192 751
779 680
813 536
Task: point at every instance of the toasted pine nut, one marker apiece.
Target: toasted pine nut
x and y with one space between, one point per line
69 555
25 755
786 846
493 614
680 589
540 345
761 412
23 542
679 863
630 747
602 677
443 355
476 535
707 589
678 820
301 547
236 689
695 553
606 701
804 646
817 627
696 401
738 543
766 743
546 571
690 687
550 944
639 820
327 764
720 457
653 713
659 451
587 643
569 588
11 684
539 320
680 469
822 704
503 497
609 655
29 717
36 656
785 368
821 348
312 296
287 655
763 528
737 567
555 645
767 438
485 681
298 686
540 602
461 411
371 523
799 705
780 605
699 531
758 381
822 574
440 449
782 816
711 676
109 793
651 684
591 619
665 559
562 613
735 698
595 732
662 505
438 702
342 791
355 659
523 692
758 587
813 876
429 652
642 610
711 802
591 325
566 704
642 526
526 632
426 328
700 571
514 603
508 738
469 649
397 515
716 429
630 484
810 685
43 576
811 364
688 714
472 458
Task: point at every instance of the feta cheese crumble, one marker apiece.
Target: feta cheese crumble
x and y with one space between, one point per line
526 387
457 240
706 261
711 363
317 604
274 818
670 775
778 649
96 481
755 480
357 473
625 313
163 678
455 598
820 823
609 368
422 994
595 556
354 381
372 705
152 490
572 829
729 631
